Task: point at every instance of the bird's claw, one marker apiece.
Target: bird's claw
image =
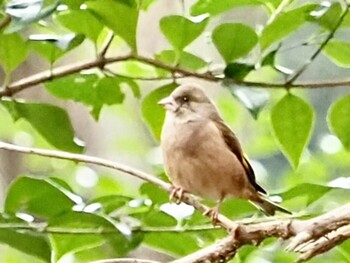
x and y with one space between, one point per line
213 213
176 194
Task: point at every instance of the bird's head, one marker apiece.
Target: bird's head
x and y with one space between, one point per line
188 99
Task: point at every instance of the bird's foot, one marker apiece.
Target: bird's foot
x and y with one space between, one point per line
176 194
213 213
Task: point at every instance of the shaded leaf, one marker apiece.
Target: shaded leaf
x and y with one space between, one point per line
39 197
181 31
215 7
81 22
285 24
182 59
110 203
13 51
234 40
292 121
339 120
152 113
153 192
269 59
120 16
338 52
50 121
63 244
237 70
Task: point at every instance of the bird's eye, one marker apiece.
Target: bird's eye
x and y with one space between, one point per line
184 98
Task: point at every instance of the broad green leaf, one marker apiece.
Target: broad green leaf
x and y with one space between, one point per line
292 121
152 113
338 52
312 192
237 71
339 120
25 13
73 4
234 41
182 59
39 197
81 22
329 15
181 31
120 16
153 192
89 90
50 121
110 203
13 51
285 24
145 4
215 7
71 243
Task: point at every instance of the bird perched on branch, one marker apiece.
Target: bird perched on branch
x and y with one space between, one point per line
203 156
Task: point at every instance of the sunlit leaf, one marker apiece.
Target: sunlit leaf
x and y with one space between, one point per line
182 59
153 192
234 40
338 52
292 121
120 16
215 7
39 197
285 24
327 15
152 113
181 31
50 121
339 120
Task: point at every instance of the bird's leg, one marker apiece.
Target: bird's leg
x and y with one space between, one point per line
176 194
214 212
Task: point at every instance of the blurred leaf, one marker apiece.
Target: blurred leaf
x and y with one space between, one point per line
339 120
285 24
81 22
292 121
70 243
338 52
73 4
50 121
152 112
13 51
52 47
215 7
153 192
181 31
234 40
327 16
254 100
183 60
235 208
24 13
145 4
39 197
312 192
237 71
110 203
157 218
269 59
120 16
89 90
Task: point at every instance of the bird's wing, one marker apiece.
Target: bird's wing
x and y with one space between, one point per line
234 145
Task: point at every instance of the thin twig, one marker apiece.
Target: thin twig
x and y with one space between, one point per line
108 44
278 11
5 21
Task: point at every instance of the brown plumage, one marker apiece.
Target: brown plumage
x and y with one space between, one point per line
202 155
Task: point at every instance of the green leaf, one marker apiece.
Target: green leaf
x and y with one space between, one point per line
339 120
237 71
73 4
120 16
215 7
39 197
285 24
292 121
153 192
89 90
182 59
13 51
110 203
63 244
234 40
152 113
50 121
338 52
329 16
181 31
312 192
81 22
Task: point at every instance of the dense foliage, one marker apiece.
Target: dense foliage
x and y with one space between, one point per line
269 55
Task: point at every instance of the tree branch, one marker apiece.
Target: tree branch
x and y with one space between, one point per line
124 260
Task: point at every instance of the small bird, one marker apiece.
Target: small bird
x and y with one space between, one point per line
203 156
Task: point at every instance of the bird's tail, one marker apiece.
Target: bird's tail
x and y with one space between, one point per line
268 207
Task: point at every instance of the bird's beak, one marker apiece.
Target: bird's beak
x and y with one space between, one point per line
169 104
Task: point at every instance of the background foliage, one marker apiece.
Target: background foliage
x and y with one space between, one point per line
264 63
